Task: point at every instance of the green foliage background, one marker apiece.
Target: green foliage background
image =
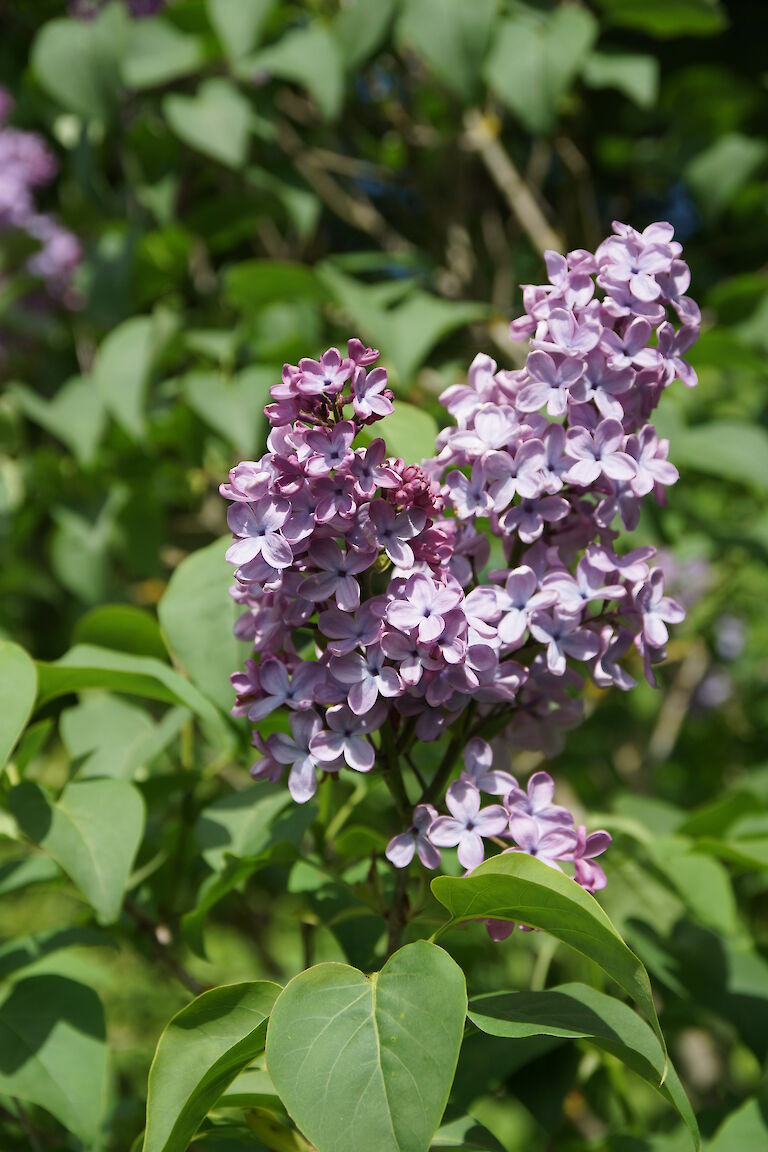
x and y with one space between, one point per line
252 181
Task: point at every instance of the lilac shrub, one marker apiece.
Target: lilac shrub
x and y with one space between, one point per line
27 165
376 617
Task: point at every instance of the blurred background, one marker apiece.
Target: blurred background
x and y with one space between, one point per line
193 192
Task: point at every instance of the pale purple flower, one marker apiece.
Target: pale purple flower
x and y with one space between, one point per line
294 750
550 843
494 426
345 737
280 687
371 398
469 495
324 377
518 474
369 470
602 384
529 516
672 348
337 575
334 496
650 456
519 598
607 671
467 824
624 259
550 382
575 592
394 530
400 850
563 636
536 801
423 606
258 527
629 347
409 655
567 334
479 770
586 873
330 449
601 454
656 609
367 677
346 631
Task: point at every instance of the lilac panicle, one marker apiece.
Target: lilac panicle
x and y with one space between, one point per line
360 576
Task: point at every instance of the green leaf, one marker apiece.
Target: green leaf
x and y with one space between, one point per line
409 330
121 371
238 23
410 433
20 871
215 121
78 63
308 56
451 37
197 615
18 688
534 62
576 1010
635 75
240 823
199 1054
360 27
702 883
251 284
728 449
80 552
24 952
233 407
664 18
368 1062
122 627
465 1135
54 1054
718 173
513 886
92 831
223 831
108 736
76 415
157 52
86 667
745 1130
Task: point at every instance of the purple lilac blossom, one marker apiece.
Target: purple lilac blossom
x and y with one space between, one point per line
371 572
27 164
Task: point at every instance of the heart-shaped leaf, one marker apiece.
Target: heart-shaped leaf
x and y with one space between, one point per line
514 886
18 688
365 1062
199 1054
234 408
215 121
92 831
576 1010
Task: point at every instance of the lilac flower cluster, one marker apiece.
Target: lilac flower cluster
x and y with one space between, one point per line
26 164
363 578
137 9
527 820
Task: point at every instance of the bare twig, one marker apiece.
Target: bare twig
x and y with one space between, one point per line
356 210
677 702
482 136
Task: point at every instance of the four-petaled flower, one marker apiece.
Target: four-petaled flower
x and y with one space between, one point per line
401 848
468 823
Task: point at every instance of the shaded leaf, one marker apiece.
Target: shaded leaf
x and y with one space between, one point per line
576 1010
410 433
718 173
108 736
197 615
635 75
360 28
76 415
308 56
53 1051
535 60
451 37
158 52
253 283
514 886
122 627
92 831
233 407
18 688
78 63
238 23
215 121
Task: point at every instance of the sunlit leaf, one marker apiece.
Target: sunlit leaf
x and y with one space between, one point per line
215 121
368 1062
18 688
